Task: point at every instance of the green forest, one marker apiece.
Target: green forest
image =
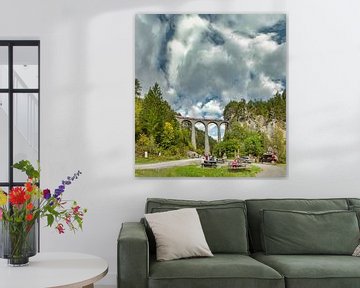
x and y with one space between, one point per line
158 133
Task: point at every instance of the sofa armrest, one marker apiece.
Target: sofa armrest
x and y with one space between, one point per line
133 256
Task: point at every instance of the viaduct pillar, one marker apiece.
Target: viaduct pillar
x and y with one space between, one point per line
207 145
193 135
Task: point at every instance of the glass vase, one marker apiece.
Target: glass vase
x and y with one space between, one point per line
18 242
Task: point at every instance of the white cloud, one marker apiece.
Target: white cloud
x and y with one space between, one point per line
206 110
150 34
213 107
247 24
210 62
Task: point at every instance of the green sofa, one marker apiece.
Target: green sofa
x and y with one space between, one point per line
234 230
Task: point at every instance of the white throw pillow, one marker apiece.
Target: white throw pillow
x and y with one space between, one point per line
178 234
357 251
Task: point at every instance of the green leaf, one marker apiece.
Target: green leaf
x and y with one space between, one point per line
52 211
26 167
50 219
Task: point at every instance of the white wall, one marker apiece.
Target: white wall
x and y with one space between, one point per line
87 62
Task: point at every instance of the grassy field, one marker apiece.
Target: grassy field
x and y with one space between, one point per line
197 171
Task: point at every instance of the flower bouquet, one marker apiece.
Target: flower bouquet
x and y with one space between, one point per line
23 206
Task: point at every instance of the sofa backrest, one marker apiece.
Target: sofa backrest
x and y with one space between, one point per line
353 202
223 221
256 205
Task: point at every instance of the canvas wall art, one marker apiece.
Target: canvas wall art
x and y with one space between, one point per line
210 95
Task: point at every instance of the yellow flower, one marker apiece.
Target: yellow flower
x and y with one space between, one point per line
3 198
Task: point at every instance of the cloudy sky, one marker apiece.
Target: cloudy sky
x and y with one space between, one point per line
203 61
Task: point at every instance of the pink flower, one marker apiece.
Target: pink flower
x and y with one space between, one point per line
76 210
60 228
1 212
68 219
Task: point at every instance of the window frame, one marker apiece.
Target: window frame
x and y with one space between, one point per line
10 91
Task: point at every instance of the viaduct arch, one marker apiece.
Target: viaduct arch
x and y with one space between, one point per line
206 123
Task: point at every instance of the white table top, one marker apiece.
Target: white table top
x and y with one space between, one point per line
68 270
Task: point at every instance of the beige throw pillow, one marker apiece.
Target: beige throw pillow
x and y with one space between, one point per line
178 234
357 251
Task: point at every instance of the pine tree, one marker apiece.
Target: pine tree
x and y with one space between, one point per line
138 88
138 109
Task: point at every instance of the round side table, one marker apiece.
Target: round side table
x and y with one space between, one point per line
50 270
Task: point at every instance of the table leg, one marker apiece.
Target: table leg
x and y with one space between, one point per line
89 286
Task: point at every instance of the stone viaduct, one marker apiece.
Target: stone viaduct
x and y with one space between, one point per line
206 123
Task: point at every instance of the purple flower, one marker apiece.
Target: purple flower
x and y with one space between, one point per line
58 192
68 181
46 194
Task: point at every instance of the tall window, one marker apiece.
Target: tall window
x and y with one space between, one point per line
19 108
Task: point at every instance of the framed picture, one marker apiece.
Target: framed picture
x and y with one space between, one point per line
210 95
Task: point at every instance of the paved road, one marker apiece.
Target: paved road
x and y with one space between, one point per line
168 164
269 170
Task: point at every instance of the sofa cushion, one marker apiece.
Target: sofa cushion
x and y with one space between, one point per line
223 221
254 216
353 201
313 271
297 232
178 234
222 270
354 205
356 209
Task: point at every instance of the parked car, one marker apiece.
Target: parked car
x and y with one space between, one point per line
245 159
192 154
269 158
